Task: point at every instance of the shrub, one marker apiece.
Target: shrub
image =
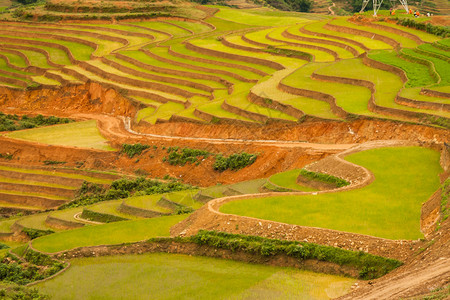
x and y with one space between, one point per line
184 155
338 182
123 188
234 162
133 149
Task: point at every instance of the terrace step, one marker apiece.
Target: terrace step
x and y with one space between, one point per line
27 188
30 200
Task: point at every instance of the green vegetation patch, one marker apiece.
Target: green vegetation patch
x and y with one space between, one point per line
418 75
177 276
287 180
80 134
108 234
369 266
90 193
185 155
390 207
234 162
338 182
133 149
14 122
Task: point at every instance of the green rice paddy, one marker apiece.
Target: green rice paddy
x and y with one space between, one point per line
124 232
88 135
390 207
175 276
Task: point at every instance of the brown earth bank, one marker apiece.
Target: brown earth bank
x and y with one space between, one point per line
271 160
205 250
327 132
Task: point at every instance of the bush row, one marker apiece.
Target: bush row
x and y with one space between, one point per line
185 155
369 266
14 122
102 8
33 233
428 27
338 182
133 149
234 161
91 193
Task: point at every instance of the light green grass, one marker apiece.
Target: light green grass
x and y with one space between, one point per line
369 43
248 187
36 59
404 41
164 112
125 87
111 233
66 214
149 202
214 108
20 193
36 183
138 79
36 221
387 84
45 80
56 173
182 50
111 208
277 34
352 99
288 179
390 207
209 83
424 36
80 134
164 27
243 16
414 93
185 198
192 26
15 59
177 276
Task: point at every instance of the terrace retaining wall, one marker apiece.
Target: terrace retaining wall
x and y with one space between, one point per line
289 35
314 47
174 71
330 36
170 246
8 186
33 201
219 63
140 212
273 104
432 93
337 110
408 35
136 82
238 57
134 72
219 120
367 34
62 224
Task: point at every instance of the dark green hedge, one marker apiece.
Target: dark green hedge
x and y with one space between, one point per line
369 266
338 182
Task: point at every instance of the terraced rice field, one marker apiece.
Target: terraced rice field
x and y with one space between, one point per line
249 68
88 135
370 210
170 276
196 63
